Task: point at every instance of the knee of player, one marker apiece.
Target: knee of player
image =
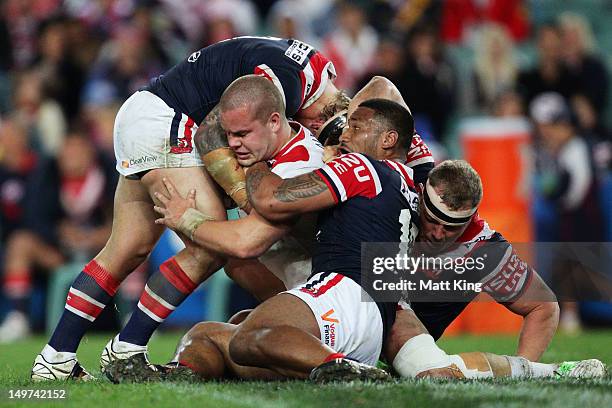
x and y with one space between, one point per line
419 355
204 258
136 246
240 316
245 344
203 332
143 250
204 329
552 309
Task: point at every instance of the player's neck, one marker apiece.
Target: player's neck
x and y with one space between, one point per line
394 155
286 133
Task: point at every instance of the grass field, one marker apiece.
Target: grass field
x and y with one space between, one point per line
16 360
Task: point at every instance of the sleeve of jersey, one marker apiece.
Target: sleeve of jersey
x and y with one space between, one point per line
290 169
419 152
509 276
351 175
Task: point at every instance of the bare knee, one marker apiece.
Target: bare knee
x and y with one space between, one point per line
206 330
201 349
246 344
406 326
240 316
123 253
204 258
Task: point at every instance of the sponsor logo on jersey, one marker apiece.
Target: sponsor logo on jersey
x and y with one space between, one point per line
181 143
510 279
329 334
327 316
194 57
138 161
299 52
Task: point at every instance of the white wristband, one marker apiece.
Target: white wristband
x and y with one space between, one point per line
191 220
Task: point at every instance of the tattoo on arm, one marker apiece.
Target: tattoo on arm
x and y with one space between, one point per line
254 178
308 185
210 135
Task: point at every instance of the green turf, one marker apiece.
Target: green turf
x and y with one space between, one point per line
16 360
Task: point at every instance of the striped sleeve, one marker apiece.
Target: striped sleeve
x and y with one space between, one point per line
351 175
510 276
419 152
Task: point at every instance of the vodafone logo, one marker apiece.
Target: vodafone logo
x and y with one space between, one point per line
194 57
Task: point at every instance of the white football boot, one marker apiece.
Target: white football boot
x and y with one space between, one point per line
592 368
63 366
120 350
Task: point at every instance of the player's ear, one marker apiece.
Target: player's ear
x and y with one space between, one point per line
274 121
390 139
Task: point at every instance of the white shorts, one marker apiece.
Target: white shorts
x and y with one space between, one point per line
348 324
149 134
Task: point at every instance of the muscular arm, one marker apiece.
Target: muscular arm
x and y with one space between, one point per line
210 135
540 312
378 87
247 237
278 199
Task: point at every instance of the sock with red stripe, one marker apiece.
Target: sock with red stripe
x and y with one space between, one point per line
164 292
91 291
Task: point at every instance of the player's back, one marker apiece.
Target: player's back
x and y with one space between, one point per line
195 85
377 204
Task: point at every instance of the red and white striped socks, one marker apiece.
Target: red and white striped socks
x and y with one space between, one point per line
91 291
164 292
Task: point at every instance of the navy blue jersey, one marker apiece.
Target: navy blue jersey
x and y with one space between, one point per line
195 85
376 202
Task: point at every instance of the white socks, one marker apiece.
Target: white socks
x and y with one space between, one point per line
54 356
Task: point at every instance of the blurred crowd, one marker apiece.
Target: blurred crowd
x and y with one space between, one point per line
66 67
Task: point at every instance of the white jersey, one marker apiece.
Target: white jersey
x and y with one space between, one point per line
300 155
288 259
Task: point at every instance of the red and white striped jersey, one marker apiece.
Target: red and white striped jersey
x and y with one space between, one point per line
419 153
300 155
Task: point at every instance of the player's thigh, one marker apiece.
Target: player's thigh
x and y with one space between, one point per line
254 277
134 232
281 310
133 209
208 196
